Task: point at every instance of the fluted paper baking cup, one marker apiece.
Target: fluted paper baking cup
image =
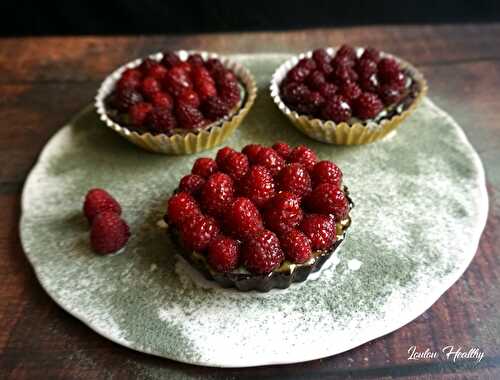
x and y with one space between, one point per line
344 133
191 142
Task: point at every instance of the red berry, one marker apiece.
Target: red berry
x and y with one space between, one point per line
283 149
203 82
243 219
367 106
251 151
262 253
230 92
235 165
189 97
295 179
294 93
350 91
369 84
337 109
344 74
398 80
315 80
130 78
307 63
97 201
390 93
195 60
303 155
125 98
198 231
204 167
366 67
371 54
271 160
297 74
321 56
223 254
163 100
347 51
181 206
189 117
146 65
131 73
387 69
297 246
326 172
139 112
314 100
177 80
258 185
328 90
327 198
162 120
222 154
184 67
157 71
214 66
214 108
191 184
109 233
283 213
320 229
217 194
326 68
150 86
170 59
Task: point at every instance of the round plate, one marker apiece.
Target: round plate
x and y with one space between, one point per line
421 205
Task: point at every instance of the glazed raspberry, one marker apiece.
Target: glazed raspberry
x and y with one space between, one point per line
326 172
314 100
225 77
242 219
170 59
262 253
258 185
397 80
295 179
388 68
230 92
297 246
139 112
163 100
350 91
369 84
342 60
97 201
217 194
198 231
321 56
283 213
157 71
328 90
320 229
185 67
189 117
235 165
203 82
162 120
283 149
131 73
367 106
189 97
191 184
337 109
315 80
125 98
347 51
150 86
109 233
181 206
307 63
389 93
214 66
303 155
146 65
327 198
326 68
223 254
131 78
297 74
204 167
344 74
294 93
222 154
371 54
215 108
177 80
366 67
251 151
195 60
271 160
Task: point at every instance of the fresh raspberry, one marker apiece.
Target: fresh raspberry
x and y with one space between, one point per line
337 109
342 61
222 154
146 65
204 167
397 80
315 80
297 74
262 253
347 51
258 185
294 93
125 98
225 77
326 172
189 117
139 112
389 93
177 80
130 78
327 198
163 100
388 68
297 246
367 106
314 100
203 82
307 63
328 90
371 54
157 71
326 68
198 231
150 86
321 56
214 66
230 92
369 84
305 109
350 91
223 254
162 120
189 97
131 73
217 194
181 206
251 151
109 233
195 60
236 165
191 184
344 74
295 179
320 229
366 67
170 59
271 160
303 155
214 108
242 218
97 201
184 67
283 149
283 213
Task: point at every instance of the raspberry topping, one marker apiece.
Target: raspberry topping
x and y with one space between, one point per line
283 149
262 253
97 201
368 105
326 172
204 167
327 198
271 160
150 86
189 97
258 185
236 165
181 206
217 193
320 229
170 59
296 245
303 155
126 98
163 100
162 120
139 112
295 179
109 233
223 154
223 254
337 109
189 117
198 231
215 108
191 184
243 219
251 151
283 213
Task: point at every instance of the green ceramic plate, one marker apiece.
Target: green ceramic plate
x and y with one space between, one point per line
421 205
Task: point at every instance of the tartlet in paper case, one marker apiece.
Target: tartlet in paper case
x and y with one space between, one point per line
176 102
347 95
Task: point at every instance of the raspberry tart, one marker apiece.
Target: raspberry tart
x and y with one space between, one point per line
176 102
261 218
347 95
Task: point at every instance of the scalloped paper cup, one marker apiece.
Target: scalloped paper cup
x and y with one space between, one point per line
191 142
345 133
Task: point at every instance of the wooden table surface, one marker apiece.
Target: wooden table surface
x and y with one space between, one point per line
44 81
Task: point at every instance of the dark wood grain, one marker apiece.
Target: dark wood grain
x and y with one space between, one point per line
45 81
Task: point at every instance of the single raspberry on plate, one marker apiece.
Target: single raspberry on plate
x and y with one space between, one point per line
195 60
163 100
283 149
350 91
223 254
388 68
258 185
191 183
170 59
315 80
337 109
189 97
326 172
327 198
366 67
146 65
138 113
109 233
97 201
296 245
222 154
303 155
390 93
297 74
307 63
328 90
157 71
125 98
204 167
189 117
371 54
177 80
262 253
283 213
367 106
198 231
236 165
217 194
271 160
321 56
242 219
162 120
321 231
295 179
251 151
181 206
215 108
150 86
